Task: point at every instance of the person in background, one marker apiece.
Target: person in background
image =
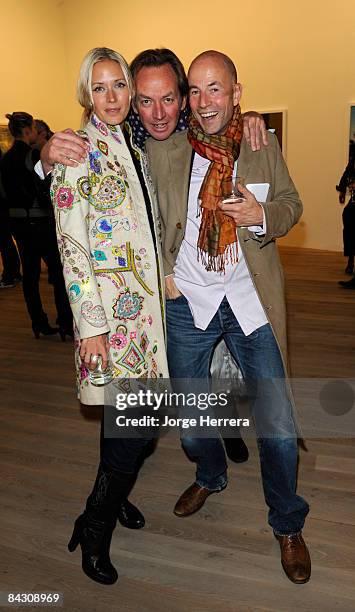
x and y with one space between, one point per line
44 133
11 273
32 225
347 182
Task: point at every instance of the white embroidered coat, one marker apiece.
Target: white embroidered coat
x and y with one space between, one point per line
111 268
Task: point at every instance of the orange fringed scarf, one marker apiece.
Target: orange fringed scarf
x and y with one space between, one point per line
217 242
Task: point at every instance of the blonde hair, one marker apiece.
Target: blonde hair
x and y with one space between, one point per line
84 92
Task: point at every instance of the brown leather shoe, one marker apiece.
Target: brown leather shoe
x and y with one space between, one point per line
191 500
295 557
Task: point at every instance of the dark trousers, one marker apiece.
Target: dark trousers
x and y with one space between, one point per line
9 254
36 240
123 454
349 228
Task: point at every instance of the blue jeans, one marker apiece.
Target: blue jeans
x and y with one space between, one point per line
189 353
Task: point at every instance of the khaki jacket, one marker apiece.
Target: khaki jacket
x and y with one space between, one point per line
170 166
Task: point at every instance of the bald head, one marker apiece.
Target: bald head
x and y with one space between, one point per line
218 56
213 91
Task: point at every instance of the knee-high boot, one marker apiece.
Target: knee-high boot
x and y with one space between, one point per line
93 529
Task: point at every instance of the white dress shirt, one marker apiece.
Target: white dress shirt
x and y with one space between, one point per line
39 170
205 290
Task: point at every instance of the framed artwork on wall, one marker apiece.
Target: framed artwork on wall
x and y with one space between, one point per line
6 139
275 121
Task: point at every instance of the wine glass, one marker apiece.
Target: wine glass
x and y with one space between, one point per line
230 189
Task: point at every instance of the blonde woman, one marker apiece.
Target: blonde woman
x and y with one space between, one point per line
109 250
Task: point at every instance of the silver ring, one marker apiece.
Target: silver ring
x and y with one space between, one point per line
94 358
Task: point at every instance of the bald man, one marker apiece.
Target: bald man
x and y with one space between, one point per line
224 280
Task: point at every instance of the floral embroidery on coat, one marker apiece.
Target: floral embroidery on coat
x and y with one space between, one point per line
109 259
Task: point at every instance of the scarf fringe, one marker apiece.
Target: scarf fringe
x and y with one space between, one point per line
217 263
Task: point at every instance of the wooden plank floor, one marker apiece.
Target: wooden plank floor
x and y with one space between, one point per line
222 559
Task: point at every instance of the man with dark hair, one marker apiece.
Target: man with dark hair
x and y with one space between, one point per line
160 73
226 281
151 58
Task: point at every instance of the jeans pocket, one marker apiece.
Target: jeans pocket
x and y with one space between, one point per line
253 336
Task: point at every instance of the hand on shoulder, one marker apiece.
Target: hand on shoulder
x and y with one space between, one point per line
254 130
65 148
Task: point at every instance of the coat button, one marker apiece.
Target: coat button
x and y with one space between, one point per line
172 250
179 226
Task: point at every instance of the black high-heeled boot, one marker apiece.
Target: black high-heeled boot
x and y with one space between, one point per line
94 537
93 529
129 516
66 331
43 328
66 327
350 267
